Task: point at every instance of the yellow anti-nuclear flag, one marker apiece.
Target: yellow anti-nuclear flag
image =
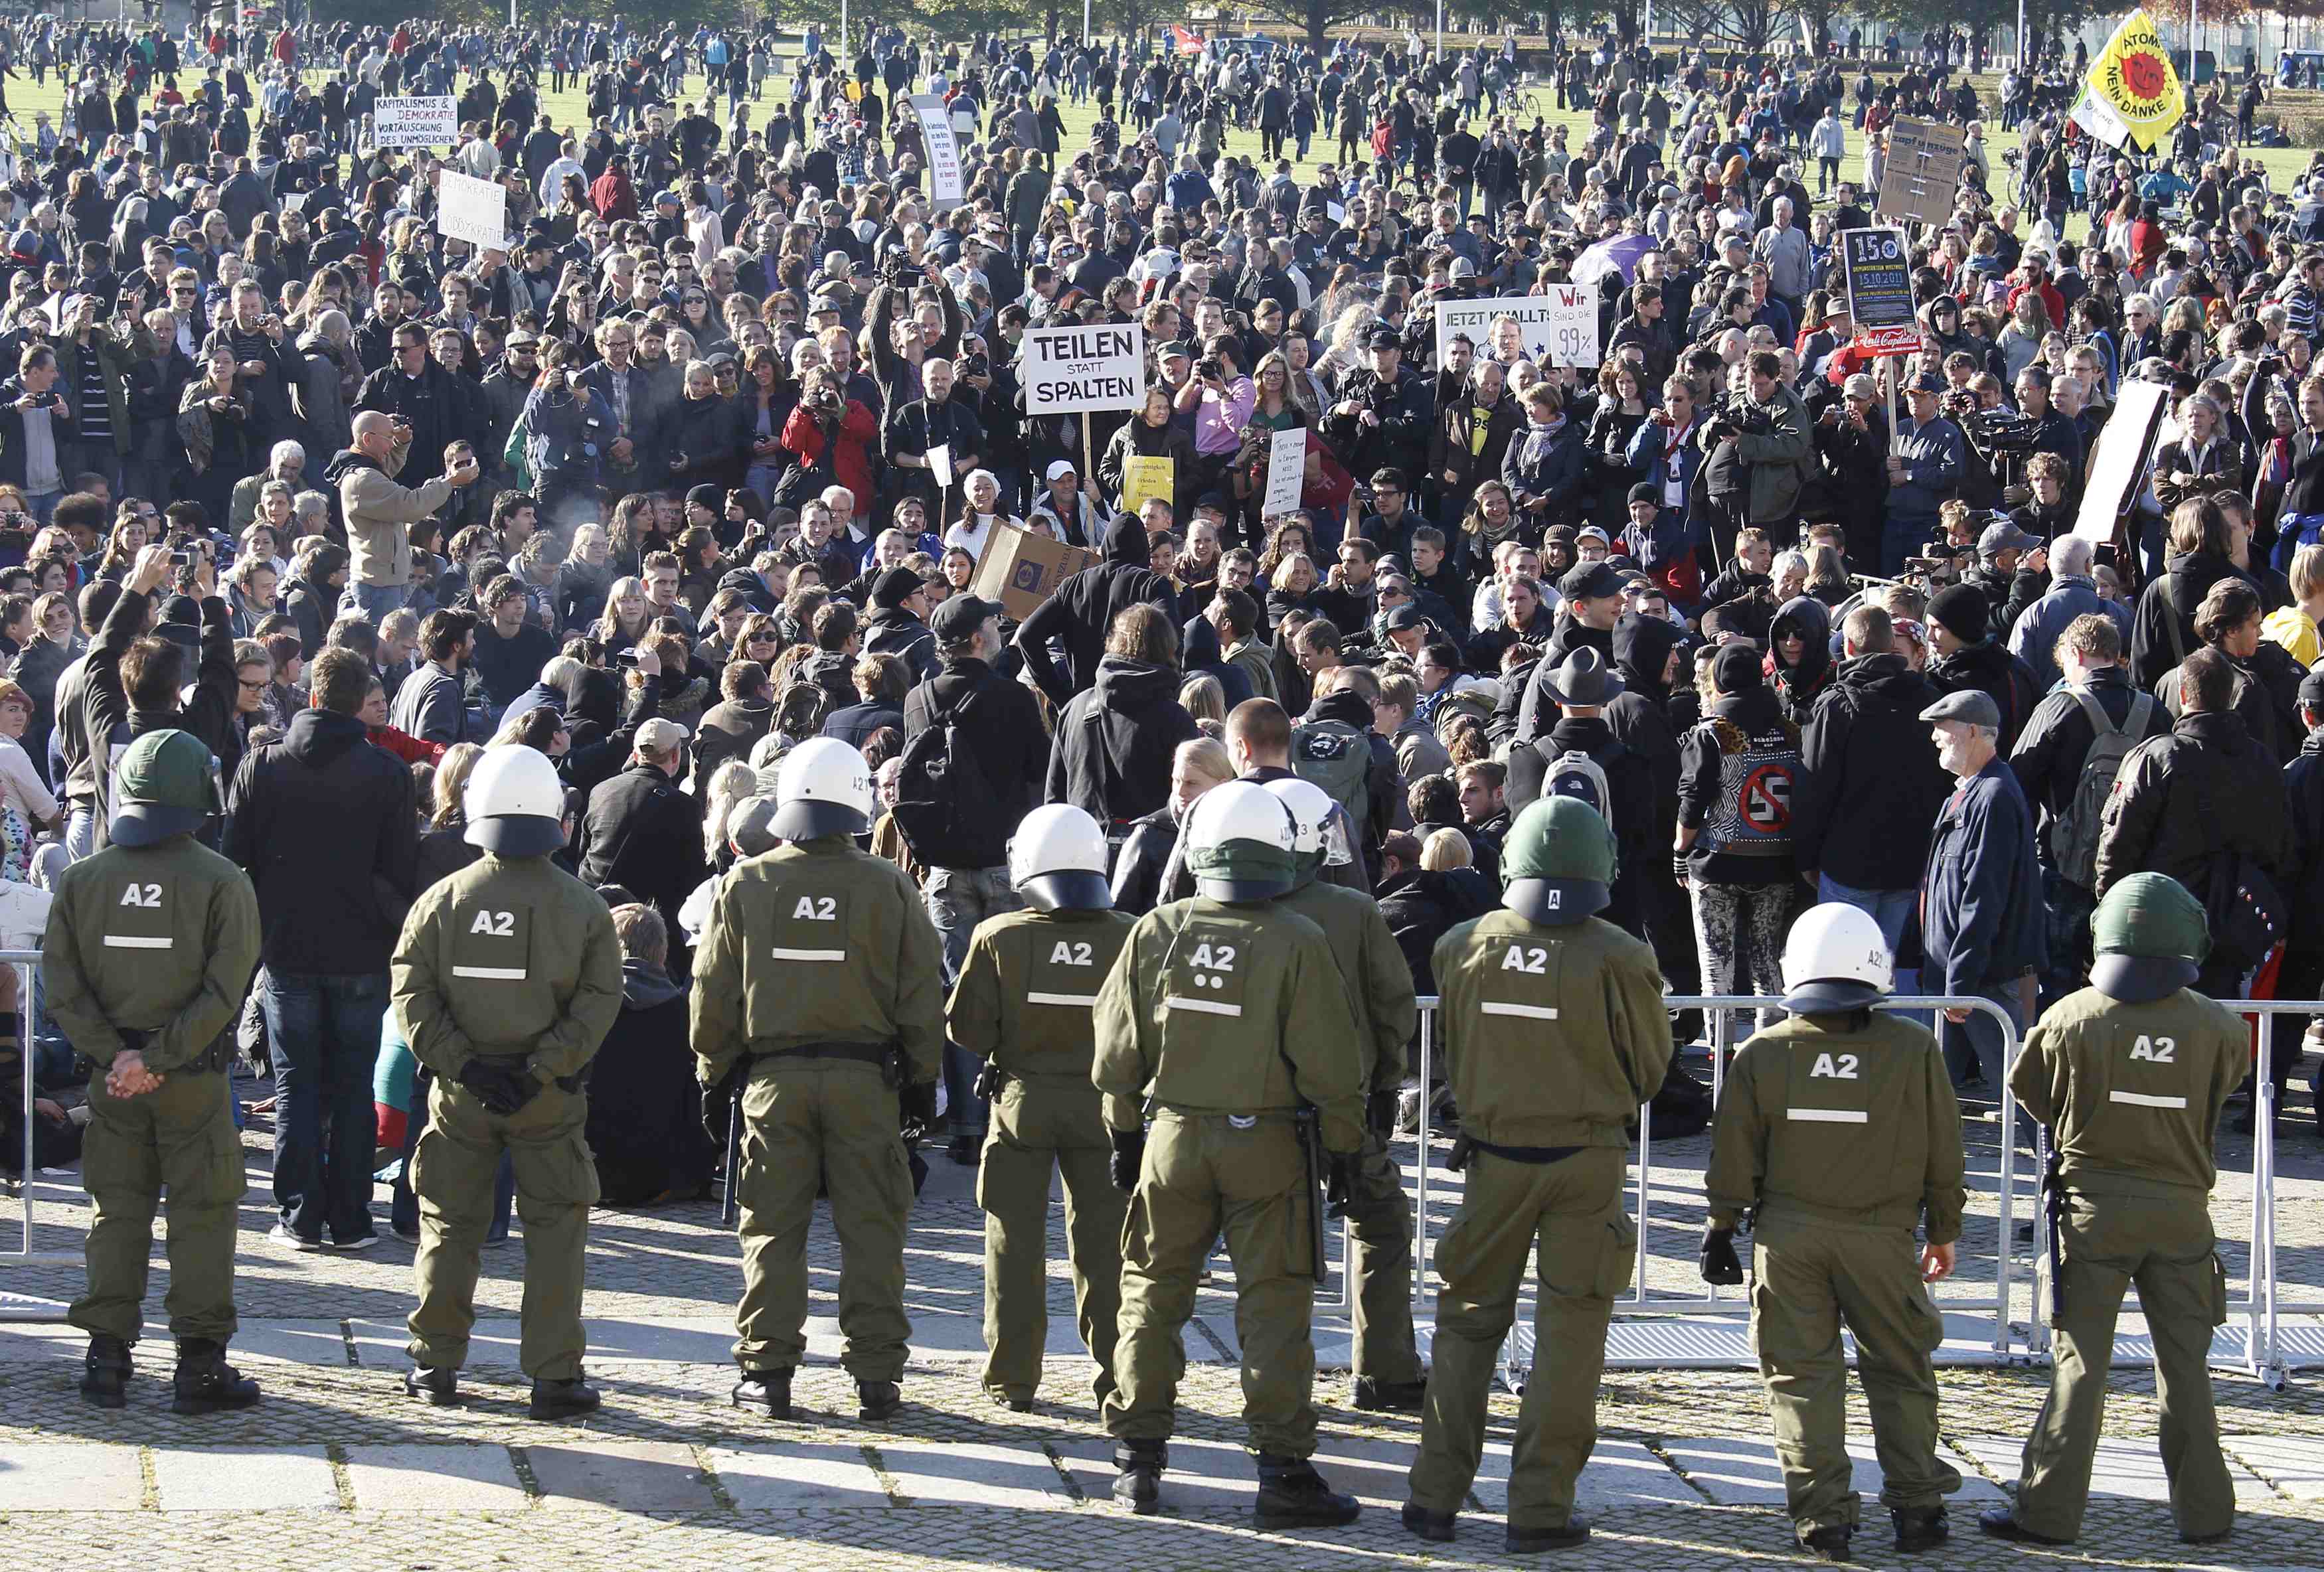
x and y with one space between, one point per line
2133 77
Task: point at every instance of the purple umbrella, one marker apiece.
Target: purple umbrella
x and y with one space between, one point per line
1618 255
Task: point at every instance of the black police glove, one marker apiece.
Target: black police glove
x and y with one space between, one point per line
1379 1111
1716 1260
918 1103
1339 1183
490 1086
718 1102
1129 1157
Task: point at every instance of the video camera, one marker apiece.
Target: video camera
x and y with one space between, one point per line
1734 414
2002 430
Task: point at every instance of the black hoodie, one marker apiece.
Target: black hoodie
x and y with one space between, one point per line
1114 742
1811 619
1993 671
1640 716
1871 787
1079 614
325 826
1204 657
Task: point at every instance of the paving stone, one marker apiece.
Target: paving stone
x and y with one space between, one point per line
1620 1475
975 1473
2292 1463
25 1343
1213 1478
810 1474
2126 1469
70 1476
243 1478
1744 1473
419 1477
291 1342
627 1475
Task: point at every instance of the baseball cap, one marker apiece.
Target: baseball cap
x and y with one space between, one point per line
1589 581
1062 467
962 616
1383 338
660 735
1926 383
1405 616
2001 536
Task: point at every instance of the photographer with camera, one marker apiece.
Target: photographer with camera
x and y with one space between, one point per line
1925 465
1759 446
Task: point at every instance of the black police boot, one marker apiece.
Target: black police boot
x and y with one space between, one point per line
439 1388
105 1379
1293 1495
2001 1523
1137 1475
1519 1541
205 1382
1391 1396
558 1400
768 1391
1422 1523
876 1400
1922 1529
1829 1543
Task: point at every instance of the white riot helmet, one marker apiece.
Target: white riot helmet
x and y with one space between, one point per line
825 789
1240 842
1056 860
1311 813
1835 960
514 803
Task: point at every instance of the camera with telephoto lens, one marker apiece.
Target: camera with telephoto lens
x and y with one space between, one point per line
1735 415
2002 430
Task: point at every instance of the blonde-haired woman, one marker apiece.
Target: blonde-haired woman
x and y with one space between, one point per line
1196 766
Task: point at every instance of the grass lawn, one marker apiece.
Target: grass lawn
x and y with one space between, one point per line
569 108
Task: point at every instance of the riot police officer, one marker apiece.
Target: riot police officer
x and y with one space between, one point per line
1379 986
1837 1131
149 947
507 978
818 1003
1226 1016
1554 1038
2130 1074
1022 1004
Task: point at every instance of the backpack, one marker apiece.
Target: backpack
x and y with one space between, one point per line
1338 757
2247 910
801 709
2074 833
941 790
1575 774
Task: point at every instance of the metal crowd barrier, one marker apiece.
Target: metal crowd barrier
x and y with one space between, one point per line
26 963
2265 1355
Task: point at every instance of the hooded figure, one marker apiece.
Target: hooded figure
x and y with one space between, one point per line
1798 679
1204 657
1079 614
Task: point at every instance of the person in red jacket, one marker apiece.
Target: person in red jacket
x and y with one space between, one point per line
823 411
612 194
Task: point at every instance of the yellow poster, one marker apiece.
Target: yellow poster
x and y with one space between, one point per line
1144 477
2133 77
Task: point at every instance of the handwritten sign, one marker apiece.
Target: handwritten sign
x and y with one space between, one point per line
1093 366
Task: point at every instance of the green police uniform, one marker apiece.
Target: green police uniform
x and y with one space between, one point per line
2132 1094
152 947
1223 1019
1842 1130
512 962
1024 1001
1378 985
1555 1037
817 963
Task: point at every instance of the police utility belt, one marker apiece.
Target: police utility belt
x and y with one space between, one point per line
1465 1145
215 1057
887 1058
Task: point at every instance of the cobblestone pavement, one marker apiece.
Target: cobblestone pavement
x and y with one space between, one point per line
336 1470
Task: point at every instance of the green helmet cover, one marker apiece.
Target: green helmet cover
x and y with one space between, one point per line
1559 863
2150 936
1244 870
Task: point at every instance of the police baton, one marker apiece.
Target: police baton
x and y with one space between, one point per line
727 1208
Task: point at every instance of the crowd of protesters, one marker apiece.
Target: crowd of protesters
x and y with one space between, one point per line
704 463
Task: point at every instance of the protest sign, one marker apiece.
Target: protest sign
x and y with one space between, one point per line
945 188
432 122
1083 366
1879 274
1143 477
1921 175
472 211
1287 472
1559 325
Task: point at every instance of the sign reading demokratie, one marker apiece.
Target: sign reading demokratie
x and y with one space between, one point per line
1092 366
1879 273
1923 174
1559 325
472 211
946 187
415 121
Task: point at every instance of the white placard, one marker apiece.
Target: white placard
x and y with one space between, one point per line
940 464
1099 365
415 121
945 188
472 211
1559 325
1287 472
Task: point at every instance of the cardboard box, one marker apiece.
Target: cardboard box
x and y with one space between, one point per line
1022 569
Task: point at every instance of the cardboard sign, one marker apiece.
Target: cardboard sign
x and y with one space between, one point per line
946 189
415 121
1923 171
1559 325
1879 271
2118 460
1084 366
472 211
1020 569
1143 477
1287 472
